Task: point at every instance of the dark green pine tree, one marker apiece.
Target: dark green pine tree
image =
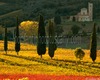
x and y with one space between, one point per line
41 45
52 43
93 48
5 41
17 39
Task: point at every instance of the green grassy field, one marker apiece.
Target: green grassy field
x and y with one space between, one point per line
28 62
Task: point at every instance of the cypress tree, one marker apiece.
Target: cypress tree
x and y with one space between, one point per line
52 43
93 48
17 39
41 45
5 41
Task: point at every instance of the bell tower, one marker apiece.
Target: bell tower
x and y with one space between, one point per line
90 11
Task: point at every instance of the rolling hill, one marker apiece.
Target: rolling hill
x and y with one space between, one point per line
32 8
65 7
8 13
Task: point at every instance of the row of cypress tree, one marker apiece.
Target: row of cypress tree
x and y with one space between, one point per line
17 39
41 46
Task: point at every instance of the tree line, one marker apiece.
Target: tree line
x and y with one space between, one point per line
52 45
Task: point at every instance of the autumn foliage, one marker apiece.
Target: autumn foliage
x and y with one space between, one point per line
29 28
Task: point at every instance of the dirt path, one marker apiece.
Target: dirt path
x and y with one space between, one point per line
45 77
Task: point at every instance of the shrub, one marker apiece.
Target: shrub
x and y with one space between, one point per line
79 53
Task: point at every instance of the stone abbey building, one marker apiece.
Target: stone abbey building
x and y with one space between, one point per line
86 14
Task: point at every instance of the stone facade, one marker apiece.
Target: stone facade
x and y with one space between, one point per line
86 14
